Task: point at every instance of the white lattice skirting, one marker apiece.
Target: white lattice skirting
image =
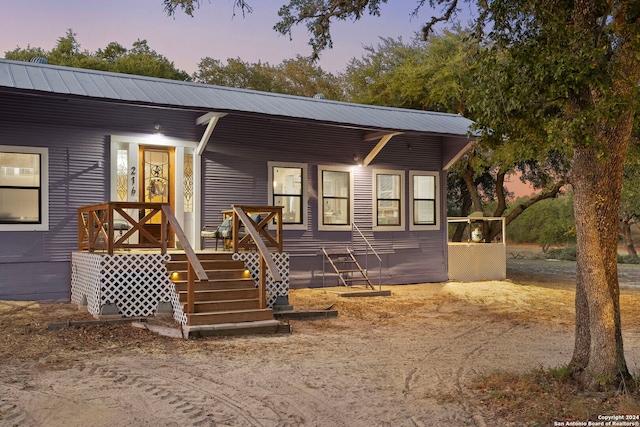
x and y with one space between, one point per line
135 283
274 290
472 262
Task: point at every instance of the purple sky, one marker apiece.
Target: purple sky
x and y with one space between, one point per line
184 40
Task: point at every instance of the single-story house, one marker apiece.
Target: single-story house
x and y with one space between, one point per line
346 174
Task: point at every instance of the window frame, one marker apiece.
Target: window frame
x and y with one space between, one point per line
304 197
350 202
43 225
375 225
438 221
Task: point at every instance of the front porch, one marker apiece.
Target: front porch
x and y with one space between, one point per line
120 269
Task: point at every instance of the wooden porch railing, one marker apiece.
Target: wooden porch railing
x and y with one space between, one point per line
266 214
257 235
96 232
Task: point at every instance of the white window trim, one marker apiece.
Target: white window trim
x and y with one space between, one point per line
305 194
375 225
417 227
321 226
44 188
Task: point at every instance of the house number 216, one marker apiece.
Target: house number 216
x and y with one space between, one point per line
133 180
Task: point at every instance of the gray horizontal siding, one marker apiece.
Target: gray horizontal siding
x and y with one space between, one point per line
76 132
235 172
35 265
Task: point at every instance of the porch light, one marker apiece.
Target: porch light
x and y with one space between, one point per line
174 275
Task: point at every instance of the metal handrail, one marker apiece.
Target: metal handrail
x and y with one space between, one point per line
355 228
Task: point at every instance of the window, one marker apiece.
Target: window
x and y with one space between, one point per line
425 205
24 189
389 200
335 204
288 189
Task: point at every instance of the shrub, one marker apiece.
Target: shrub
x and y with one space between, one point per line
628 259
568 253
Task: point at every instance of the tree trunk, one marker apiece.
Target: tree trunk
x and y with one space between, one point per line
596 179
625 230
464 211
468 176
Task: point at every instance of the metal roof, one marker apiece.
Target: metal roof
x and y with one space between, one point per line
132 89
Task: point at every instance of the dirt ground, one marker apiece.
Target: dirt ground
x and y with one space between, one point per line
404 360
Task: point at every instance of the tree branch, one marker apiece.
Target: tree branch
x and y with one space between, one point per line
502 200
188 6
451 9
548 194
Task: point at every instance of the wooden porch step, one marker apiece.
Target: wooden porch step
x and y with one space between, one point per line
221 295
229 299
220 256
236 273
229 305
236 316
207 265
217 284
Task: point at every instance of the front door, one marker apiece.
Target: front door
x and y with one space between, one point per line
156 183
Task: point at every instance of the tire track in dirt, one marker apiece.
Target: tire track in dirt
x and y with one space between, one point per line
12 415
197 405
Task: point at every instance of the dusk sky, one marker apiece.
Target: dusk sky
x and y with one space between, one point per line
213 31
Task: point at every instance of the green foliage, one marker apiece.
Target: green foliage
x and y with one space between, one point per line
569 253
140 59
435 75
318 15
189 6
298 76
628 259
561 373
546 223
